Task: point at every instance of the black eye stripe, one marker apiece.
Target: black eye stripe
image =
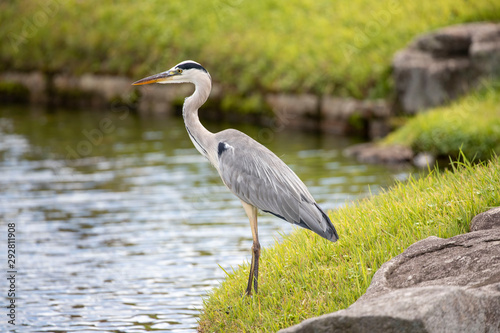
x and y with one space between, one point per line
191 65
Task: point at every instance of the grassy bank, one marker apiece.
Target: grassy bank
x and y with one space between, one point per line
273 45
307 276
471 124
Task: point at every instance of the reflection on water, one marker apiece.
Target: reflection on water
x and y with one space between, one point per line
122 225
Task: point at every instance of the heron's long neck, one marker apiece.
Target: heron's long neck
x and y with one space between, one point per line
201 137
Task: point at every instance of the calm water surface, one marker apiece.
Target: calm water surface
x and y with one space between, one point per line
121 226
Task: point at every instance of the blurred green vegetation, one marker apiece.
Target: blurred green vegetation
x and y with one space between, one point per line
317 46
470 124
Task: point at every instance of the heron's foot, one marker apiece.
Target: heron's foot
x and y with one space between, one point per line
251 281
256 272
248 291
253 277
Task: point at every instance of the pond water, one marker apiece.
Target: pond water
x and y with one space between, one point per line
121 226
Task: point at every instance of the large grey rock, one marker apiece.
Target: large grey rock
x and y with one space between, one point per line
487 220
445 64
427 309
343 116
485 52
436 285
470 260
452 41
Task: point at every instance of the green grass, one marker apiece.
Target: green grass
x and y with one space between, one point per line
318 46
306 276
470 125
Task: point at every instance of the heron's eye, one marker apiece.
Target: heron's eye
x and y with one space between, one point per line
179 70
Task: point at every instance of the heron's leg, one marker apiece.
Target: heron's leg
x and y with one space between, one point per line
254 268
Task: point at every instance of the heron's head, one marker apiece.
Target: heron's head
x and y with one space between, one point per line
185 72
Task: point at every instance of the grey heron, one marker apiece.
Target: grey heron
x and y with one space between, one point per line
259 178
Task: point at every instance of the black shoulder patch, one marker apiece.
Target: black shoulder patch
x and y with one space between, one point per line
191 65
221 148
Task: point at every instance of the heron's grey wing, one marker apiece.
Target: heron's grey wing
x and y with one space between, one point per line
258 177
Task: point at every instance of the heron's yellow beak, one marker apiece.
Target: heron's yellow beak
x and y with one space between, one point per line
157 78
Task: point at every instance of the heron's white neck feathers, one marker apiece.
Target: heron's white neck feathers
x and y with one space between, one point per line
203 85
203 140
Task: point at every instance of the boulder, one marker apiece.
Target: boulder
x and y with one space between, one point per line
443 65
436 285
470 260
373 153
452 41
419 310
485 52
487 220
343 116
335 115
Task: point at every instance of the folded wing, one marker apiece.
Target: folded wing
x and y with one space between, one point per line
258 177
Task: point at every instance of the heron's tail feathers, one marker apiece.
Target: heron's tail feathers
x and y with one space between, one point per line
315 219
330 231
